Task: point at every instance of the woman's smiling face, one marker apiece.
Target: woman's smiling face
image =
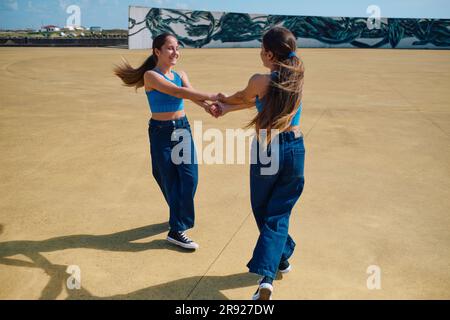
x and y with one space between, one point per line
169 53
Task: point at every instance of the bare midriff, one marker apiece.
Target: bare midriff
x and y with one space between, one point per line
165 116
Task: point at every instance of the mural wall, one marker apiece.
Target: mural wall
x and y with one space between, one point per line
204 29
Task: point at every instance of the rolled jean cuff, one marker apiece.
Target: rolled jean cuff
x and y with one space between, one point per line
181 228
261 271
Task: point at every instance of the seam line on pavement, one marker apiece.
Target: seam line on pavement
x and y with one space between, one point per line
323 112
220 253
417 109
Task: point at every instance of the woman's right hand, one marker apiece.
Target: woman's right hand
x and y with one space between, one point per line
222 108
221 97
215 110
211 108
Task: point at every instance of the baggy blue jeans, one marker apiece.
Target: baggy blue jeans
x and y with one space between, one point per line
272 198
177 181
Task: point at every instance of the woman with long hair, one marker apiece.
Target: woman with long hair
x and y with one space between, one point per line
165 90
278 100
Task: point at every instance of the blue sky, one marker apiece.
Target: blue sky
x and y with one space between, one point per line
114 13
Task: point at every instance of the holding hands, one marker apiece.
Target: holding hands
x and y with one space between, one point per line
216 108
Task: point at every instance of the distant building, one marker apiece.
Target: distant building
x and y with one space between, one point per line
96 29
74 28
49 28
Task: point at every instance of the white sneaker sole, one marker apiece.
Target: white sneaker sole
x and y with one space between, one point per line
192 245
264 293
288 269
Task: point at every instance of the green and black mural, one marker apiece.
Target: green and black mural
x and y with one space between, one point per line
199 29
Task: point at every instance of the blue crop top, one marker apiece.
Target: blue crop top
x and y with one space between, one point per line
162 102
295 120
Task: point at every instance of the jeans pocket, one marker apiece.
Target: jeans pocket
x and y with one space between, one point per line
298 162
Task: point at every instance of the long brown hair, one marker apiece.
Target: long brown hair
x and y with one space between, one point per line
132 77
285 90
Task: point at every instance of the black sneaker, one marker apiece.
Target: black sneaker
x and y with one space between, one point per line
284 267
180 239
264 291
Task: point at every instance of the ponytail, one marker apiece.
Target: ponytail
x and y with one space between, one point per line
134 77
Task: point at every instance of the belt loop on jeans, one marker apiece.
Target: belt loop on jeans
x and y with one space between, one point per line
291 135
298 133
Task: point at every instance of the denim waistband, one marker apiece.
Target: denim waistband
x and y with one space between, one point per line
180 122
289 136
285 138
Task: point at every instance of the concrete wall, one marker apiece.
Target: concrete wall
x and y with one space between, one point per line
77 42
222 29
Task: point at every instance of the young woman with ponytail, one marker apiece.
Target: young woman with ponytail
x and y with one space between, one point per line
278 99
165 90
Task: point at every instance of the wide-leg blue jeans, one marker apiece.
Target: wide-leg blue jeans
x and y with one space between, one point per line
177 181
272 197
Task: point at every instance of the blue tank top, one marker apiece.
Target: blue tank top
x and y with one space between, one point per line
295 121
162 102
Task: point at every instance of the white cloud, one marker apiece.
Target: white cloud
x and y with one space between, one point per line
9 5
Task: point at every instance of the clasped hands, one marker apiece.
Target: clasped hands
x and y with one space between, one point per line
216 107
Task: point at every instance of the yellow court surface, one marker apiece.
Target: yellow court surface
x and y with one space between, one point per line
76 187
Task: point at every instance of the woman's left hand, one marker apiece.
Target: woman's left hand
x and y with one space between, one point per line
216 110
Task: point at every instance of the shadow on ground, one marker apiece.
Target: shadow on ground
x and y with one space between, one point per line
120 241
211 289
